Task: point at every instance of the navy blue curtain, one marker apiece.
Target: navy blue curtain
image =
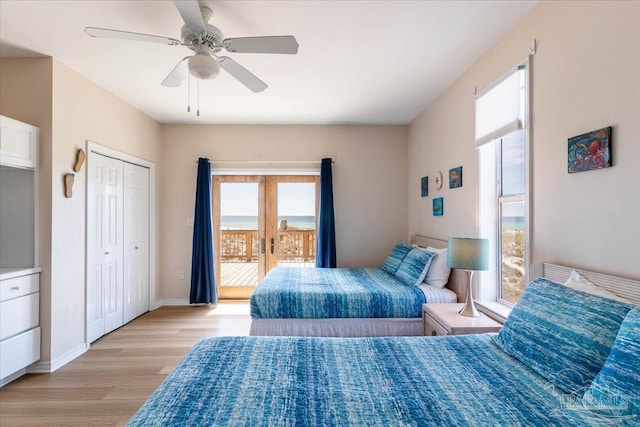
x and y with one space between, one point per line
203 279
326 251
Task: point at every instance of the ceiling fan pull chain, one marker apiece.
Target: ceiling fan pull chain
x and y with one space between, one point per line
188 93
198 113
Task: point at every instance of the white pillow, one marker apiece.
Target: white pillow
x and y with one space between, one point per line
580 283
438 274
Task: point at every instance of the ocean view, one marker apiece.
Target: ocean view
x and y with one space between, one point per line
251 222
513 222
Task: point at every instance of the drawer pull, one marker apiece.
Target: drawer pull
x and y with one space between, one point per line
15 288
106 252
136 247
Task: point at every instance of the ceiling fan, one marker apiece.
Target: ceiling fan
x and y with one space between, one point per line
207 41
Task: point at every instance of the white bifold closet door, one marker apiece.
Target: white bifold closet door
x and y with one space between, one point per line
118 244
136 241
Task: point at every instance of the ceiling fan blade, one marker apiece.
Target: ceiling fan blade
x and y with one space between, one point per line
269 44
243 75
126 35
191 15
178 74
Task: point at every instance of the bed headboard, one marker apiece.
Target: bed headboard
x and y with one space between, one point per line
626 288
458 278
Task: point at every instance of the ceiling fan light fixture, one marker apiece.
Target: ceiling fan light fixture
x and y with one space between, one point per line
207 41
203 66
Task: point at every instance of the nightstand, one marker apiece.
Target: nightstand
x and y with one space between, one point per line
444 319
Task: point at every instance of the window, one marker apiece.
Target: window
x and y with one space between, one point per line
502 142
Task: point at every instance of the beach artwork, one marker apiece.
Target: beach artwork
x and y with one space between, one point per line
438 206
455 177
424 186
589 151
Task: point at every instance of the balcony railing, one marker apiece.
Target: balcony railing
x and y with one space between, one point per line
244 245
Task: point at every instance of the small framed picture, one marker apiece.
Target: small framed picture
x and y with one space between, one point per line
438 206
455 177
589 151
424 186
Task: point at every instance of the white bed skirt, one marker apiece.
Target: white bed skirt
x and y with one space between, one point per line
336 327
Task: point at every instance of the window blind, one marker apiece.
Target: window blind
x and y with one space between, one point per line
500 108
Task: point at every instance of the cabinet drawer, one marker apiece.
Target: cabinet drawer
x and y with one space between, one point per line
19 314
433 328
19 286
19 352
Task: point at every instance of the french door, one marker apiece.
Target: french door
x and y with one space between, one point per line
261 222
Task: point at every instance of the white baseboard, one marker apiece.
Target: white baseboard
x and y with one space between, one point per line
52 366
162 302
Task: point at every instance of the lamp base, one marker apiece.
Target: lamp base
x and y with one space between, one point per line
469 309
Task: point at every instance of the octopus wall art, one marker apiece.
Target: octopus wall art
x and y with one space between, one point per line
590 151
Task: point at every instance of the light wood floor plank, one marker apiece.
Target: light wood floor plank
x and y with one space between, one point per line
108 384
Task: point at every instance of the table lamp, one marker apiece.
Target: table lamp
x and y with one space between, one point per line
470 255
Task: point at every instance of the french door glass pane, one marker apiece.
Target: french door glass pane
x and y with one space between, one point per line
239 240
513 247
296 224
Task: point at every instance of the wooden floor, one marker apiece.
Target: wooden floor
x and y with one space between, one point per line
108 384
244 273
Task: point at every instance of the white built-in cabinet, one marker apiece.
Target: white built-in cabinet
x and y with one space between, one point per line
19 322
117 244
19 271
18 144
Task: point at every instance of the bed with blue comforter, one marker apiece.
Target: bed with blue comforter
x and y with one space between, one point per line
340 302
325 293
351 302
563 358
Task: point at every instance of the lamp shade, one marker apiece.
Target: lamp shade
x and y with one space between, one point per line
468 254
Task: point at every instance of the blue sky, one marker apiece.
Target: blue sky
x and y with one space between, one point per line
241 199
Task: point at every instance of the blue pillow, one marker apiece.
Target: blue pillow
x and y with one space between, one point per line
563 334
617 386
395 258
414 266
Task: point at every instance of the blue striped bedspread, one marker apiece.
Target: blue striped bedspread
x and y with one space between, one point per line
325 293
395 381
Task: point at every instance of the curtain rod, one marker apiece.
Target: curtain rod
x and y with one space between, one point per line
266 162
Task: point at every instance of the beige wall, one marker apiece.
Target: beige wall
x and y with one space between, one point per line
83 111
369 181
584 77
69 109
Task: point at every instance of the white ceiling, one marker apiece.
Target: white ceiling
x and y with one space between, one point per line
364 62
